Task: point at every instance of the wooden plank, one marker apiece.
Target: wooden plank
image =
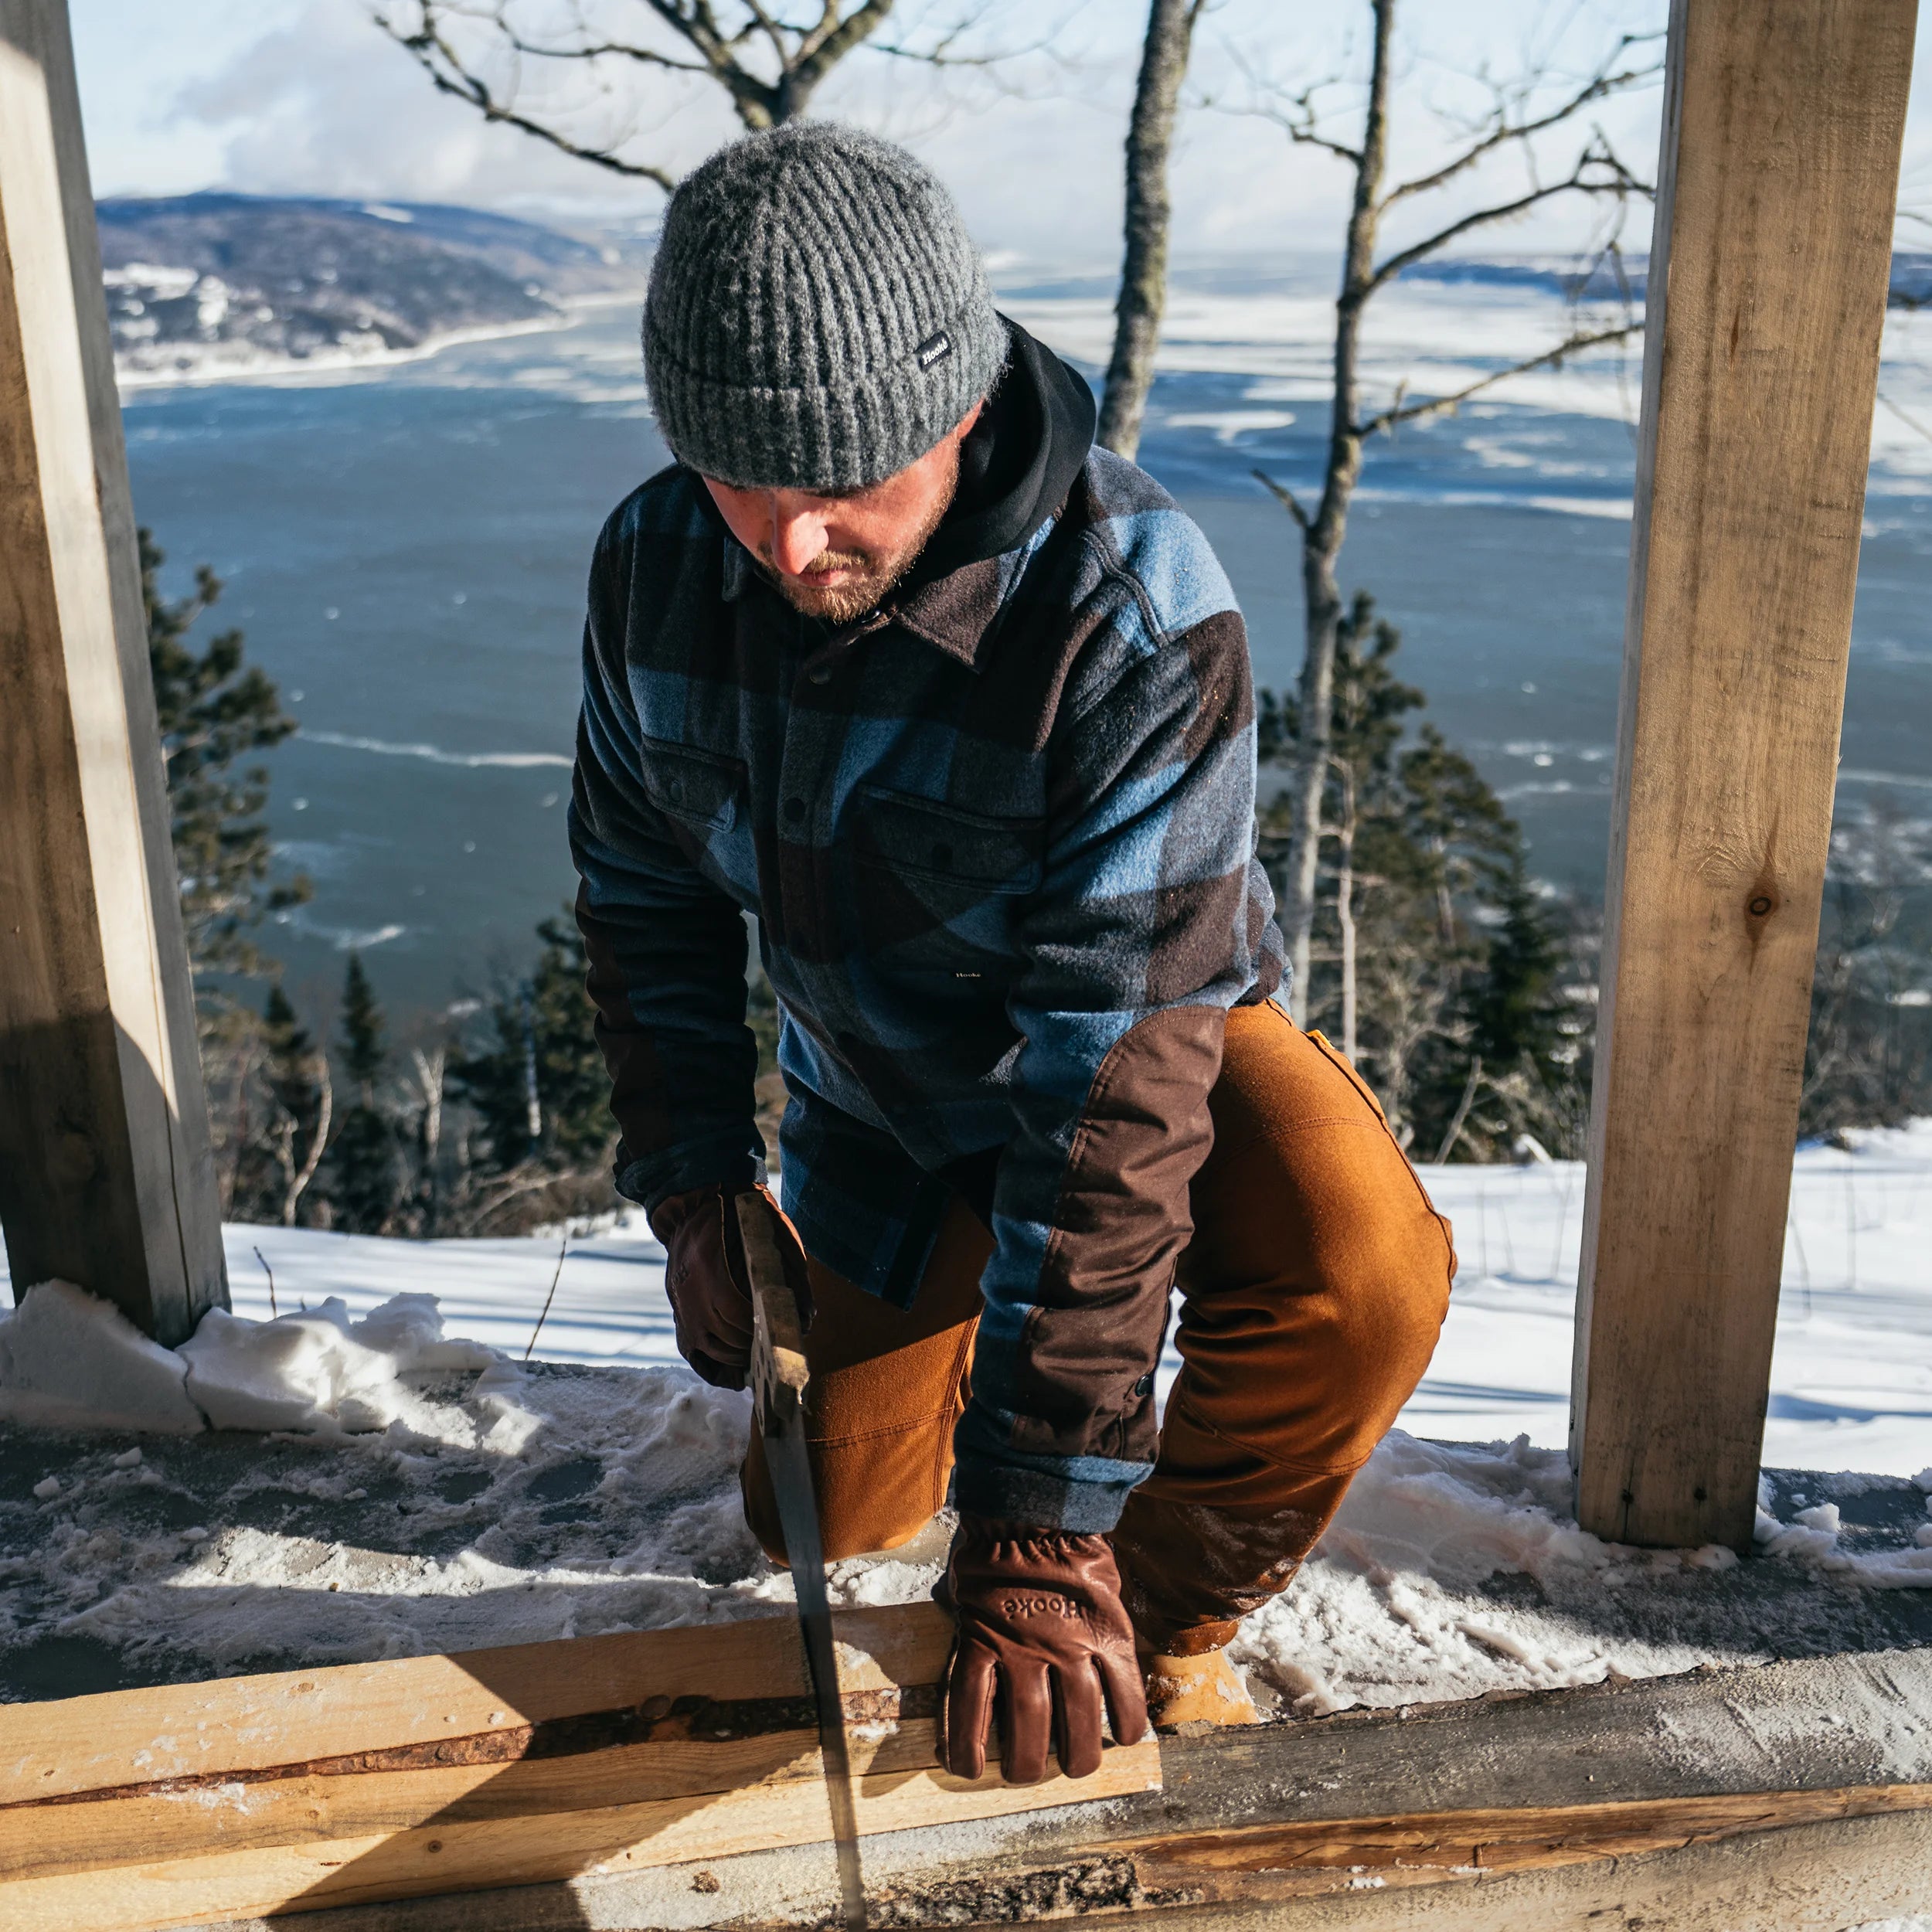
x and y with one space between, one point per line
107 1175
1610 1751
1738 1733
248 1724
1779 172
1817 1877
148 1808
163 1891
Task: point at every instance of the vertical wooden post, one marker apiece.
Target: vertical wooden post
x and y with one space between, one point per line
106 1178
1783 121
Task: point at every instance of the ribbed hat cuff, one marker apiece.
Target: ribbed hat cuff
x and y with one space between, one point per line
834 437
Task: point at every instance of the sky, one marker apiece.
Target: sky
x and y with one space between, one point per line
307 97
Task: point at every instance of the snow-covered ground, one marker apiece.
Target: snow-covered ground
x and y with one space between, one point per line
1850 1381
439 1507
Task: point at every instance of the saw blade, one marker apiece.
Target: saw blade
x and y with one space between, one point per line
779 1377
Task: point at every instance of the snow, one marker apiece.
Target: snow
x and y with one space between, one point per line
67 1358
321 1371
1850 1375
1434 338
442 1495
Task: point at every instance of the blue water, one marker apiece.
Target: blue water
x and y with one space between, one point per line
406 553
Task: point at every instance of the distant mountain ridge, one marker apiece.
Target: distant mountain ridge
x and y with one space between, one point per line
218 283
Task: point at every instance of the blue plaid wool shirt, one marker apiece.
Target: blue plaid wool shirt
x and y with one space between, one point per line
997 838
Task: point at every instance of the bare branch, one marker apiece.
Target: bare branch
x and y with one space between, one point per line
833 39
1300 116
599 50
1414 412
752 97
433 54
1283 495
1597 171
771 29
1499 130
737 48
939 54
1911 421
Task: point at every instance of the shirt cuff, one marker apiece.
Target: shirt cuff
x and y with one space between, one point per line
732 1157
1081 1495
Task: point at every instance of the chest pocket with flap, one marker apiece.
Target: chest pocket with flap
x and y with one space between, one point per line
697 788
945 846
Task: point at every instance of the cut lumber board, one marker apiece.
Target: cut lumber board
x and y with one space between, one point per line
1788 1798
164 1887
107 1172
143 1809
1777 182
242 1724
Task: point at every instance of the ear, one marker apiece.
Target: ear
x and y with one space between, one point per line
958 432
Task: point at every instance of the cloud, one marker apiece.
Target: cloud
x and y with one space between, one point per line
307 97
325 104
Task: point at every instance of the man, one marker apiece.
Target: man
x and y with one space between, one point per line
959 707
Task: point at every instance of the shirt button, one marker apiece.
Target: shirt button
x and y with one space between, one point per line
819 673
794 809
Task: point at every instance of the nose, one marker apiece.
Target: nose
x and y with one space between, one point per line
797 536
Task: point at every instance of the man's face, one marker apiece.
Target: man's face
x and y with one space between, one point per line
835 557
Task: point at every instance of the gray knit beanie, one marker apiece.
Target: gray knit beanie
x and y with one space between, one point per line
818 317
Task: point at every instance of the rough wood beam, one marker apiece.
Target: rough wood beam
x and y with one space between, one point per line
143 1809
1558 1811
1777 183
106 1178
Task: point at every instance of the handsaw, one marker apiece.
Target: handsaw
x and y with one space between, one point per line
779 1378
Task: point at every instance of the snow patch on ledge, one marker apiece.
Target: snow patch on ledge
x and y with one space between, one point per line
70 1360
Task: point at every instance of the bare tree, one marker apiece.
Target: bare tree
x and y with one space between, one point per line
1143 296
297 1174
431 1069
594 63
1519 115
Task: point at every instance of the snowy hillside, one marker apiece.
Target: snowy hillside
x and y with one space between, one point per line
1850 1381
224 285
441 1509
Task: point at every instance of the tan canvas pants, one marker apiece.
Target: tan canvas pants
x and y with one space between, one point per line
1312 1294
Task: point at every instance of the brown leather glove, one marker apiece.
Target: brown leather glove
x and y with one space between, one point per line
1042 1640
705 1276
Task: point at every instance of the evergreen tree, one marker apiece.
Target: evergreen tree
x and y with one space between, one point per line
213 710
1515 1010
538 1085
297 1077
1433 959
1464 843
1523 1039
364 1186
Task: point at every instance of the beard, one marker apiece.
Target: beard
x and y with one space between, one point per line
875 575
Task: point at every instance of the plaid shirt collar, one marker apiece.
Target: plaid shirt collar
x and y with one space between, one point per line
954 613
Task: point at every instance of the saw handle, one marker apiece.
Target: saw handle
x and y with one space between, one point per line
779 1373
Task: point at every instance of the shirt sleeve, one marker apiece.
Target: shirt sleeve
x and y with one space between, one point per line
666 945
1141 936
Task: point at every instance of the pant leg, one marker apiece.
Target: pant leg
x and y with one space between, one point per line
887 1386
1313 1292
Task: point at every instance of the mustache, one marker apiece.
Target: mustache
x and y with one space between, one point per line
825 560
